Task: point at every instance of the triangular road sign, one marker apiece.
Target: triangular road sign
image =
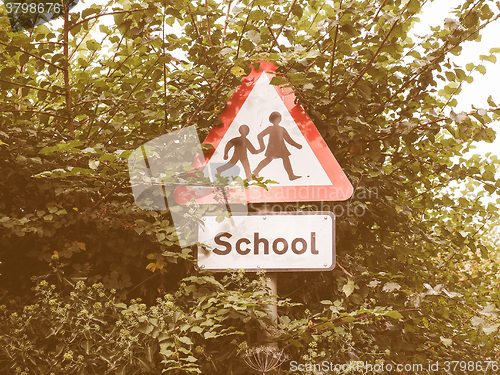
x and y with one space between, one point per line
266 132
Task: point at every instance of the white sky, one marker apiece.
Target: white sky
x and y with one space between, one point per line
483 86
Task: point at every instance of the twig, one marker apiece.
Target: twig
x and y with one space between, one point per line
208 25
243 30
425 68
330 86
143 281
31 87
34 112
30 54
312 326
223 39
109 14
206 100
67 87
275 40
345 271
283 25
368 65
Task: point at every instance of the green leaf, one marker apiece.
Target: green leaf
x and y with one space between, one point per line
460 74
450 76
348 288
394 314
86 345
489 329
89 11
93 164
209 334
278 80
391 286
488 176
297 11
93 45
237 71
446 342
491 58
185 340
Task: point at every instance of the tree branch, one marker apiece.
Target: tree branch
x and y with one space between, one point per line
361 317
208 25
330 86
130 93
426 67
31 87
34 112
345 271
283 25
198 36
275 40
243 30
223 39
67 87
207 98
32 55
375 18
368 65
165 111
109 14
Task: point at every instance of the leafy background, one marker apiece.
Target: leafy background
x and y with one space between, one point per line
91 284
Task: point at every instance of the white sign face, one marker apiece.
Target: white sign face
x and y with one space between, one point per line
264 139
298 241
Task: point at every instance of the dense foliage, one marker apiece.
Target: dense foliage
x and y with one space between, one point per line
417 279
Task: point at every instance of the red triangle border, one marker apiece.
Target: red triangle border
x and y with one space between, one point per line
341 189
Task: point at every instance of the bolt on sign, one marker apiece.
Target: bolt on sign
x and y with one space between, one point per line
266 133
286 241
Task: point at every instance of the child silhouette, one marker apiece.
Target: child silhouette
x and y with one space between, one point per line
276 147
241 144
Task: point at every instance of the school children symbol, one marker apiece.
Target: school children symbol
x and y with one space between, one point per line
276 148
267 134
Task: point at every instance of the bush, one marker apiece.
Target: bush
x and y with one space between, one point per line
78 328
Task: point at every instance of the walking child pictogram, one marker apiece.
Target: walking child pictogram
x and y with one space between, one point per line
276 147
241 145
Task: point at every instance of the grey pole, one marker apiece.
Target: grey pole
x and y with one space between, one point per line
271 280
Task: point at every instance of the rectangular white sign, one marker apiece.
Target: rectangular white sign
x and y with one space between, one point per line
286 241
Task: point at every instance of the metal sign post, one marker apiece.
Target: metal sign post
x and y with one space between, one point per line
272 285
